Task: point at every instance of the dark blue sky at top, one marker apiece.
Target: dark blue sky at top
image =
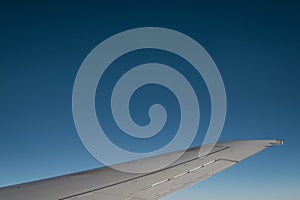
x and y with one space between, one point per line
42 45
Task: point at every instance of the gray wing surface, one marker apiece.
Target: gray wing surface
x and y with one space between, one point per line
107 183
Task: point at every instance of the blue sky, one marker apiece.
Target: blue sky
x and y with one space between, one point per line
254 44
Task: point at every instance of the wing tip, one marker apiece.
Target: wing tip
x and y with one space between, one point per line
279 142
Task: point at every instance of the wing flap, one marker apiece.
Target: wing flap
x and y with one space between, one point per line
183 180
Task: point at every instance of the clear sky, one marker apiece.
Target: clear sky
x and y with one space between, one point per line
255 45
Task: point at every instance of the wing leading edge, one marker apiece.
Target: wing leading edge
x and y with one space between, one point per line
107 183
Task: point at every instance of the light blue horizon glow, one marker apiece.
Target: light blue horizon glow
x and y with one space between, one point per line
255 46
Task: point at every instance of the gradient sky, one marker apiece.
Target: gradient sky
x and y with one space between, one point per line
254 44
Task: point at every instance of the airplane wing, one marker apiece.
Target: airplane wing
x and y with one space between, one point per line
107 183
